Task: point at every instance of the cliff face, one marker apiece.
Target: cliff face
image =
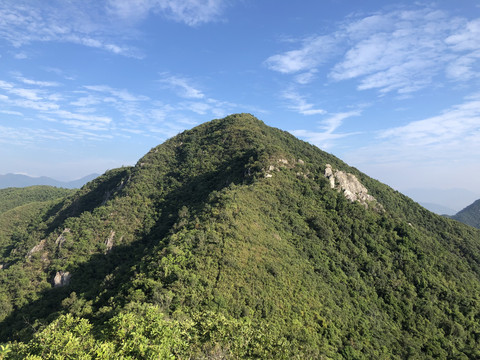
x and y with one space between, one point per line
235 239
349 185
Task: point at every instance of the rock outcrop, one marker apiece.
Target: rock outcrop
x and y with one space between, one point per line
36 248
109 242
283 163
352 188
61 278
61 238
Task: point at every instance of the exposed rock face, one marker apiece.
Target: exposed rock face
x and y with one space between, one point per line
349 184
36 248
280 163
61 278
109 241
61 238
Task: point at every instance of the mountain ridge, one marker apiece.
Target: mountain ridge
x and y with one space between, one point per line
229 240
470 215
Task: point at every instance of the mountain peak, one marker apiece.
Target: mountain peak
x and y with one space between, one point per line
235 239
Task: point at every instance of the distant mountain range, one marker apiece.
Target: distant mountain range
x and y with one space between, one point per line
438 209
18 180
442 201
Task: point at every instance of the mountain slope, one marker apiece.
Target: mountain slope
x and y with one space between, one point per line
235 239
13 197
470 215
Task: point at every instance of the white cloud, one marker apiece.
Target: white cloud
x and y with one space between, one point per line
401 50
37 82
452 137
463 68
468 38
190 12
120 94
456 131
333 122
82 117
28 136
29 94
21 56
440 151
79 22
10 112
86 101
325 138
182 86
300 105
306 77
314 52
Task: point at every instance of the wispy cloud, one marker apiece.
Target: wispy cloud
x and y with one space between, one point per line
98 112
403 50
190 12
313 52
193 99
182 86
29 136
120 94
452 136
29 94
325 138
456 130
37 82
11 112
79 22
299 104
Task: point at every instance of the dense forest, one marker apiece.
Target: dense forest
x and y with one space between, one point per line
229 241
470 215
13 197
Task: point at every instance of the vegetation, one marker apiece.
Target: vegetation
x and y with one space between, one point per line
196 253
13 197
470 215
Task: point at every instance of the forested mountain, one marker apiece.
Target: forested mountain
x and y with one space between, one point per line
470 215
237 240
13 197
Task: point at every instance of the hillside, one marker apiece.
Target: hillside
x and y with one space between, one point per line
237 240
13 197
470 215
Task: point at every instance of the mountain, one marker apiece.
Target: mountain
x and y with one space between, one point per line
438 209
18 180
470 215
13 197
442 201
237 240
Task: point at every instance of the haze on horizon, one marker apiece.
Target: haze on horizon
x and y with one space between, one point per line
389 87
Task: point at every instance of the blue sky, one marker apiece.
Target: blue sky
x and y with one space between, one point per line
390 87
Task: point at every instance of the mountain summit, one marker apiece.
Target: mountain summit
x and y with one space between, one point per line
237 240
